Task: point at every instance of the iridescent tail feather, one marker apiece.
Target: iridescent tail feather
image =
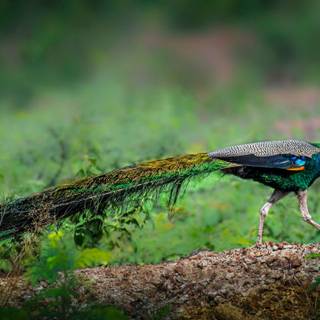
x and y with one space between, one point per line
117 189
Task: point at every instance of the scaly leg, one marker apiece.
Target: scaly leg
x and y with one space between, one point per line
275 197
303 204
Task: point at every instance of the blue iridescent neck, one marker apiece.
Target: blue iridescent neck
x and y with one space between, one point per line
316 144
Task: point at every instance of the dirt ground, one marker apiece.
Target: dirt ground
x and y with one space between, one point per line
271 282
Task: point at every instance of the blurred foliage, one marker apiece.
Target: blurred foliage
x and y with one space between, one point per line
48 306
57 259
87 86
59 255
59 43
104 129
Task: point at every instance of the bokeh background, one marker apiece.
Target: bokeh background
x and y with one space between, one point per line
87 86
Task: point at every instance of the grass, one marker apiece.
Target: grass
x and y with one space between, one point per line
103 124
81 105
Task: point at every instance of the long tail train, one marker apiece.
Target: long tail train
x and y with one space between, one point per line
111 190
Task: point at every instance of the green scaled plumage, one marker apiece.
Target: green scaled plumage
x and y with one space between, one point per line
117 189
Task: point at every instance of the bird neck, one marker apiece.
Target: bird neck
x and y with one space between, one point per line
316 159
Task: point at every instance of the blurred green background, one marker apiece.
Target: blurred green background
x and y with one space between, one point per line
89 86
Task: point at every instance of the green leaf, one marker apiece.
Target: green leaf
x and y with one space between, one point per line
101 313
92 257
313 256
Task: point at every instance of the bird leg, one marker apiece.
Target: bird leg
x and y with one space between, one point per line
275 197
303 204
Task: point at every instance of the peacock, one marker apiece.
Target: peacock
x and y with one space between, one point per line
287 166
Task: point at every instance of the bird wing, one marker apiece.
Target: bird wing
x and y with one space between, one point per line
280 161
285 154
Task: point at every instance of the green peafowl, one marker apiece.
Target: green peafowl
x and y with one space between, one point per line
286 166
